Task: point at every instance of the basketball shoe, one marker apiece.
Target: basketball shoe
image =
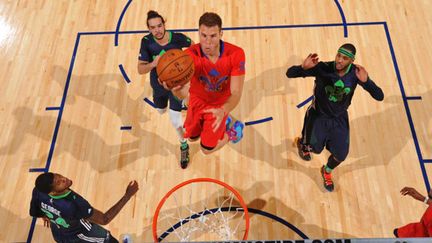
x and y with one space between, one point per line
184 156
327 177
235 132
302 150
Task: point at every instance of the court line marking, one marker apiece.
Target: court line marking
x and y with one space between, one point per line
37 170
303 103
239 28
407 109
344 23
57 126
149 102
413 97
267 119
123 72
52 108
119 22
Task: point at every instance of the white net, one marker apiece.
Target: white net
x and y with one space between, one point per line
201 211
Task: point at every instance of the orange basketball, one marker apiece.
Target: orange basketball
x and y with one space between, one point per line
175 67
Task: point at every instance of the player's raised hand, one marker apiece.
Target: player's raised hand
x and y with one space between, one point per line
131 189
310 61
412 192
218 114
361 73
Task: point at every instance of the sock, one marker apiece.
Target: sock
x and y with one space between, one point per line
183 145
177 122
332 163
327 169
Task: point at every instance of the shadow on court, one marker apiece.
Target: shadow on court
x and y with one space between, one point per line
363 132
86 145
12 221
80 142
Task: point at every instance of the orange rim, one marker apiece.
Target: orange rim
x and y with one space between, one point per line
162 201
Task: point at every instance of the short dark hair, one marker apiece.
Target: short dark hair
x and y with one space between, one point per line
153 14
210 19
350 47
44 182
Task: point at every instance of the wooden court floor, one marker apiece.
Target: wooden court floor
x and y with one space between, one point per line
42 55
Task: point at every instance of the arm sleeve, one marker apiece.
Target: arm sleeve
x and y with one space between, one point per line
84 209
35 210
297 71
238 61
373 89
183 40
144 54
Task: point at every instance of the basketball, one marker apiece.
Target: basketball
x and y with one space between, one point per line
175 67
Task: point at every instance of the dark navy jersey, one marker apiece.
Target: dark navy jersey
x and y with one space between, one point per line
150 49
332 93
67 213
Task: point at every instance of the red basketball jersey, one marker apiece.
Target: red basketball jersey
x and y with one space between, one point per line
420 229
211 81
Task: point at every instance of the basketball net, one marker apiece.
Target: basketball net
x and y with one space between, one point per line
201 209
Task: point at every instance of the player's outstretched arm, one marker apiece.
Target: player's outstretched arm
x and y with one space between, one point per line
306 69
369 85
104 218
415 194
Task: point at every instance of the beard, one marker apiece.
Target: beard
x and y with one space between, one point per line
339 67
161 37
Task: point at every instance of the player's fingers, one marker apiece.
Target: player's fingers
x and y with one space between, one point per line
216 125
210 110
176 88
165 86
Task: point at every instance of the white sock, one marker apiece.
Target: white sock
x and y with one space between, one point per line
177 122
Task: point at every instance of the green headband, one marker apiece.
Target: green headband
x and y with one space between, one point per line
346 53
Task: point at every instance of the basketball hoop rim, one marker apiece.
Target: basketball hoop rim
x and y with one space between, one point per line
168 194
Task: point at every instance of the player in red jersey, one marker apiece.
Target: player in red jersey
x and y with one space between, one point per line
422 228
215 89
